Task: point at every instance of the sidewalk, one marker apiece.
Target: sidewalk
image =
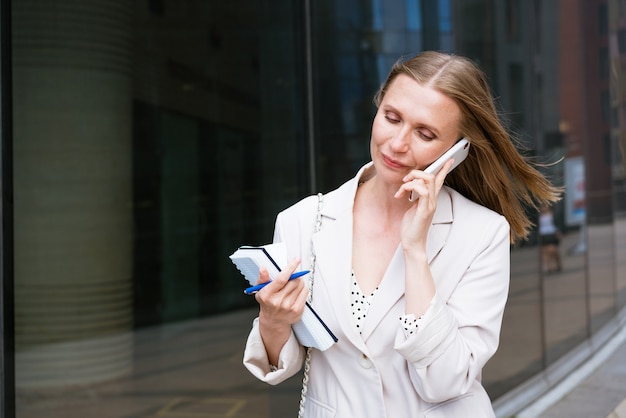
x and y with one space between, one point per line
597 389
194 369
620 411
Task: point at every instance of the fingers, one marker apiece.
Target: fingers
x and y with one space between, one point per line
283 300
281 283
418 183
443 173
418 187
264 276
285 273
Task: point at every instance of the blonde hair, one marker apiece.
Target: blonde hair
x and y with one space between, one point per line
494 174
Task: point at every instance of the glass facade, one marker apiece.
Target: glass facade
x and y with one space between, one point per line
151 138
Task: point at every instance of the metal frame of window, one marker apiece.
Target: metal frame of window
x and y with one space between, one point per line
7 334
310 114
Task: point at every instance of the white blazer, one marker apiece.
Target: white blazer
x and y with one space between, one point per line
381 373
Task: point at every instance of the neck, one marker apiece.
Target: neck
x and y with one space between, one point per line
379 196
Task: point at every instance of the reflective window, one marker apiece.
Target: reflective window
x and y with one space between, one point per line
152 138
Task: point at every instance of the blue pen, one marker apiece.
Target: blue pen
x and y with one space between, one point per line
254 289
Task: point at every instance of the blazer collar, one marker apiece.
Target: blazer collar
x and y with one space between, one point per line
341 201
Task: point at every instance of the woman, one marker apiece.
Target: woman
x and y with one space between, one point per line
414 290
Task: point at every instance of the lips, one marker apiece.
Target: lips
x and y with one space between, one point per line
390 162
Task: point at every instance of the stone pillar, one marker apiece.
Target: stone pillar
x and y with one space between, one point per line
73 176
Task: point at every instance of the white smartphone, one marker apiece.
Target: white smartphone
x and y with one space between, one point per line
458 151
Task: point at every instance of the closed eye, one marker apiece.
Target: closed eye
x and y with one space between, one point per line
426 134
392 117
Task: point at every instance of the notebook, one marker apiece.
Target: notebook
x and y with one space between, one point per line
311 331
249 260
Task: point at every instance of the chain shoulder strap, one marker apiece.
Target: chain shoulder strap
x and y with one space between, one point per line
307 360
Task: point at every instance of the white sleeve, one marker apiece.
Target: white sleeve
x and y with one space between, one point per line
255 358
460 334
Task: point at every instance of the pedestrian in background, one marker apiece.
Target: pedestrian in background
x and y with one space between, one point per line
550 238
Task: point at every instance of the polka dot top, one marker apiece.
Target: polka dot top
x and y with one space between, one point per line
361 303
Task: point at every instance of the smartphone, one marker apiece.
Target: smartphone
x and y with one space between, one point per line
458 151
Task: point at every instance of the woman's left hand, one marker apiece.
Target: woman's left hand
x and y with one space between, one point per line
417 220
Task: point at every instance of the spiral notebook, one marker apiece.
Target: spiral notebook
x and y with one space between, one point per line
311 331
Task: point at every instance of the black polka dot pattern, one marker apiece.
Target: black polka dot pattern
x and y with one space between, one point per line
359 303
409 324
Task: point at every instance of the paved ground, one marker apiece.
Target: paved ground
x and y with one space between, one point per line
193 369
597 389
187 370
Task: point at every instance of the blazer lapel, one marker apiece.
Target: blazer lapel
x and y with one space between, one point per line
392 287
333 249
334 263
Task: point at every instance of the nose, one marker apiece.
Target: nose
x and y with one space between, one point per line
401 140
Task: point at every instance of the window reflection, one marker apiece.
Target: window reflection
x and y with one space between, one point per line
151 139
564 297
602 301
520 354
154 137
620 257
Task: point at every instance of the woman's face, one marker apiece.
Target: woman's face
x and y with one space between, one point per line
413 126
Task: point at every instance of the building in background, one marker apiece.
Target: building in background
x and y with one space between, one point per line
150 138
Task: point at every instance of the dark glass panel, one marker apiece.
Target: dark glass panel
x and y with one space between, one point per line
154 138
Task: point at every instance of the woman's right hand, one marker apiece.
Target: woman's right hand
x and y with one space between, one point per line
281 305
